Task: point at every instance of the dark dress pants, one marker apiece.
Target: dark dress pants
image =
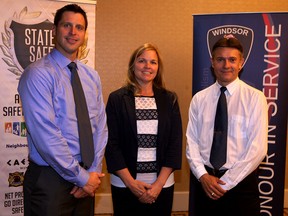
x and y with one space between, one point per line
47 194
242 200
126 204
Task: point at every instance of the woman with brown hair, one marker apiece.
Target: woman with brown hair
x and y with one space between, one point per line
145 138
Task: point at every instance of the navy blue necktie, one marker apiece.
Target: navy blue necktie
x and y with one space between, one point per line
84 125
219 146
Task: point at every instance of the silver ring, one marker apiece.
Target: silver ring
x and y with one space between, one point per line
212 194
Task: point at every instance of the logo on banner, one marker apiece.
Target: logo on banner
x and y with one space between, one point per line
243 34
16 128
26 39
31 42
16 179
17 162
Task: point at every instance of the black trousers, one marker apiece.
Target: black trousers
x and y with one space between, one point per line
126 204
47 194
242 200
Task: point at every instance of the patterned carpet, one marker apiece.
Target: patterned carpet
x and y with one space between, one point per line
184 213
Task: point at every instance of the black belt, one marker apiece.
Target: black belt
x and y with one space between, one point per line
214 172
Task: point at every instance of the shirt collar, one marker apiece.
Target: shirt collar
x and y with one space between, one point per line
60 59
231 87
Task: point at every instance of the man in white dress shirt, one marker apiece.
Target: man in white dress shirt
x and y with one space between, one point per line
231 189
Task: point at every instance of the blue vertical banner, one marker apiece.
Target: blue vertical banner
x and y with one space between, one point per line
264 37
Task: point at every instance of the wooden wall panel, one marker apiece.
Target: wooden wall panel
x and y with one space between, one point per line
121 26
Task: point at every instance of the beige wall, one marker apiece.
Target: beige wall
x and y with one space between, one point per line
124 25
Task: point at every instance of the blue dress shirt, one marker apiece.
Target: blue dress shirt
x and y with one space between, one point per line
49 110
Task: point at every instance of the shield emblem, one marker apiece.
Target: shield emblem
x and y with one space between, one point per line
16 179
31 41
243 34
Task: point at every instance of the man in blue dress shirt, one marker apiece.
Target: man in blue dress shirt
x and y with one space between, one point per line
55 182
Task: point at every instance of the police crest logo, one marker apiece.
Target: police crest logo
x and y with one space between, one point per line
243 34
25 41
16 179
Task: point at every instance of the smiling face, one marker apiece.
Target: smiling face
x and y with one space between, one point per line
227 63
146 67
70 34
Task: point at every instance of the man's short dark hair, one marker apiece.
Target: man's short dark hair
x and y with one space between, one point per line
70 7
228 41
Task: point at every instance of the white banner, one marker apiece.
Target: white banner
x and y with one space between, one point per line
26 36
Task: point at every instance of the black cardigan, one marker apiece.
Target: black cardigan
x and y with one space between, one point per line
121 149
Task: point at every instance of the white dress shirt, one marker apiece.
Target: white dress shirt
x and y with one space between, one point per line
247 130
